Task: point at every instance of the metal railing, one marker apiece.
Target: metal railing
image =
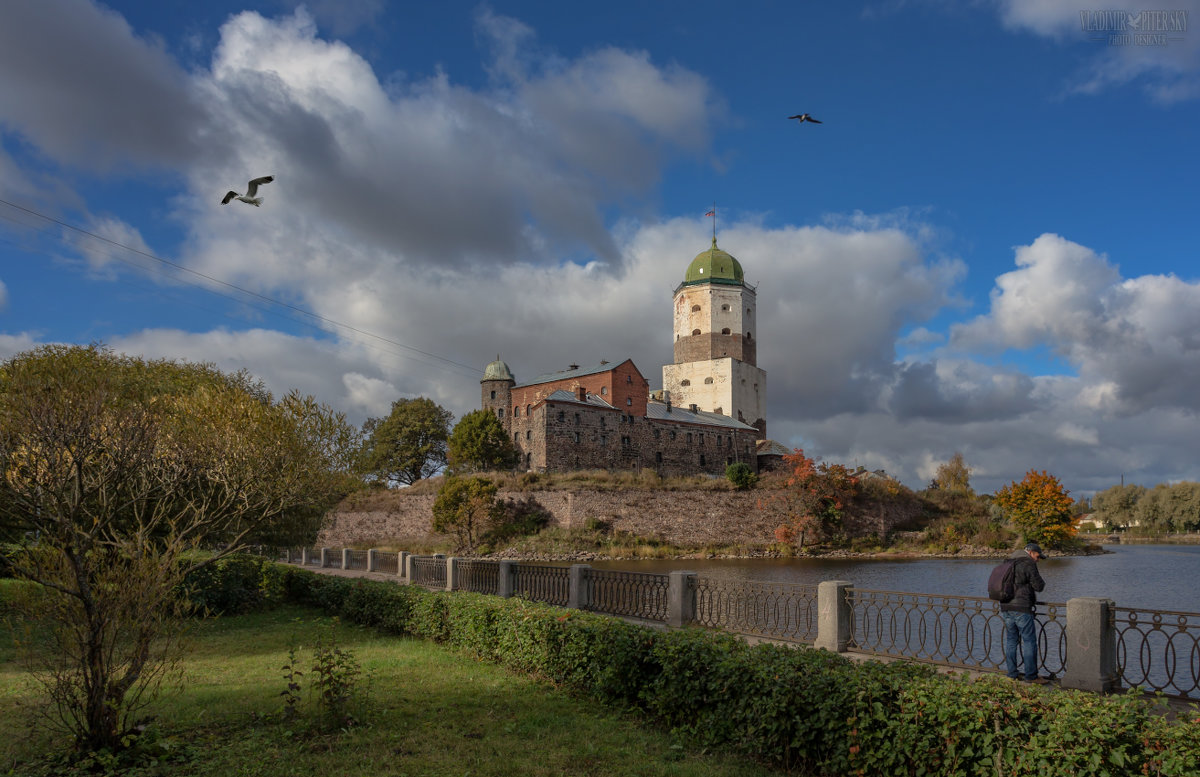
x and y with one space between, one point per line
629 594
482 577
429 571
356 559
314 557
548 584
959 631
387 561
785 611
1158 650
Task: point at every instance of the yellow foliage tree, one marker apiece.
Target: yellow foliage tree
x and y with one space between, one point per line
1041 508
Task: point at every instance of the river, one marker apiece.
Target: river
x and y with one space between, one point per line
1156 577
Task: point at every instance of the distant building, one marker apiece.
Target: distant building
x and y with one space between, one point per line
710 413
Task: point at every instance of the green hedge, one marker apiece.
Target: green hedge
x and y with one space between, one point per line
805 710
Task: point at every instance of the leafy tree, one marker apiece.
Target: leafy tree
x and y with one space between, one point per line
409 444
479 443
815 497
953 476
1116 506
114 473
466 508
1041 508
741 475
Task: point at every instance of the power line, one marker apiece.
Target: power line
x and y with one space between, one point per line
225 284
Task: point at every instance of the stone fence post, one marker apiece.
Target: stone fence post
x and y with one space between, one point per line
580 594
402 563
451 573
304 557
504 582
681 598
409 563
345 558
1091 646
370 559
324 557
833 615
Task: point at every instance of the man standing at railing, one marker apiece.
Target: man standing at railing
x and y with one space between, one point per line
1017 614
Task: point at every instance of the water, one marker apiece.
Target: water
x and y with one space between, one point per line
1157 577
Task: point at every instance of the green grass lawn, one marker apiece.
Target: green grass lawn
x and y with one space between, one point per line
426 711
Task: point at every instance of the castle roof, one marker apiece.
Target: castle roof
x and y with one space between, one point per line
562 395
497 370
714 266
660 411
575 371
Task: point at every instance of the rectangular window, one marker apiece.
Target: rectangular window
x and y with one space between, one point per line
576 436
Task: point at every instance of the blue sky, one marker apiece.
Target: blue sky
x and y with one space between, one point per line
989 245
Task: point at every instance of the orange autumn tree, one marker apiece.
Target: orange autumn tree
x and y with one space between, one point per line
814 499
1041 508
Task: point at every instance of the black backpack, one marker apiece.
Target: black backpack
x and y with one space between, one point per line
1001 582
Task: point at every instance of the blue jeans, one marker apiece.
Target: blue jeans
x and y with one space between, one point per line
1020 627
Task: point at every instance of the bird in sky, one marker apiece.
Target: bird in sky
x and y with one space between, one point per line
803 117
251 190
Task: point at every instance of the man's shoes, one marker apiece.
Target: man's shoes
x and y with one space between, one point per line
1038 680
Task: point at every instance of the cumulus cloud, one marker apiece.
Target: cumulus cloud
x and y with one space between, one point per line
78 83
1134 341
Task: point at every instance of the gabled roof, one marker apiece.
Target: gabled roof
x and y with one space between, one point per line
562 395
659 412
577 372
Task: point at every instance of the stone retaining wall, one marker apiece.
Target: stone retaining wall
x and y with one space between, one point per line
684 518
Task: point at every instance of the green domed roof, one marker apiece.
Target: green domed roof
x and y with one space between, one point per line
714 266
497 370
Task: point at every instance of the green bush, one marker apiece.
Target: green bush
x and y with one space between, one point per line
741 475
232 585
804 710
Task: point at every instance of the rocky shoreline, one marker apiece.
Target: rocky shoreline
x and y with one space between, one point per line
965 552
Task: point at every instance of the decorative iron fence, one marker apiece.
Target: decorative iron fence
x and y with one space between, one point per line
387 561
429 571
551 585
356 559
314 557
959 631
482 577
786 611
1158 650
630 594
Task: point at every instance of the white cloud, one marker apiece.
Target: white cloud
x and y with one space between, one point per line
1168 70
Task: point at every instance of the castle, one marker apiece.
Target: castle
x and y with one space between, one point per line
711 411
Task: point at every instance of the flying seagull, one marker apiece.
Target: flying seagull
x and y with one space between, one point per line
251 190
803 117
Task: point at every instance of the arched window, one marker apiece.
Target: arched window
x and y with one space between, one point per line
493 395
603 390
499 412
708 380
725 308
685 382
695 331
629 403
527 407
725 331
528 434
516 411
695 308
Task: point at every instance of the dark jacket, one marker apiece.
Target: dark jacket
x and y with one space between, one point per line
1027 581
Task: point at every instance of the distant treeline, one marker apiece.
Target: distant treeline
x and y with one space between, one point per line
1164 508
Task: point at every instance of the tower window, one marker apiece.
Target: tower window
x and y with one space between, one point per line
695 308
527 407
603 390
672 434
725 331
628 401
562 416
528 434
689 438
577 421
695 331
493 395
725 308
516 411
499 412
577 440
685 382
708 380
701 459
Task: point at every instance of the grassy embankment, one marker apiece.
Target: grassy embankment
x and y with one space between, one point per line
427 711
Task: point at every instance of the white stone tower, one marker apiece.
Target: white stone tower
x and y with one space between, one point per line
715 351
